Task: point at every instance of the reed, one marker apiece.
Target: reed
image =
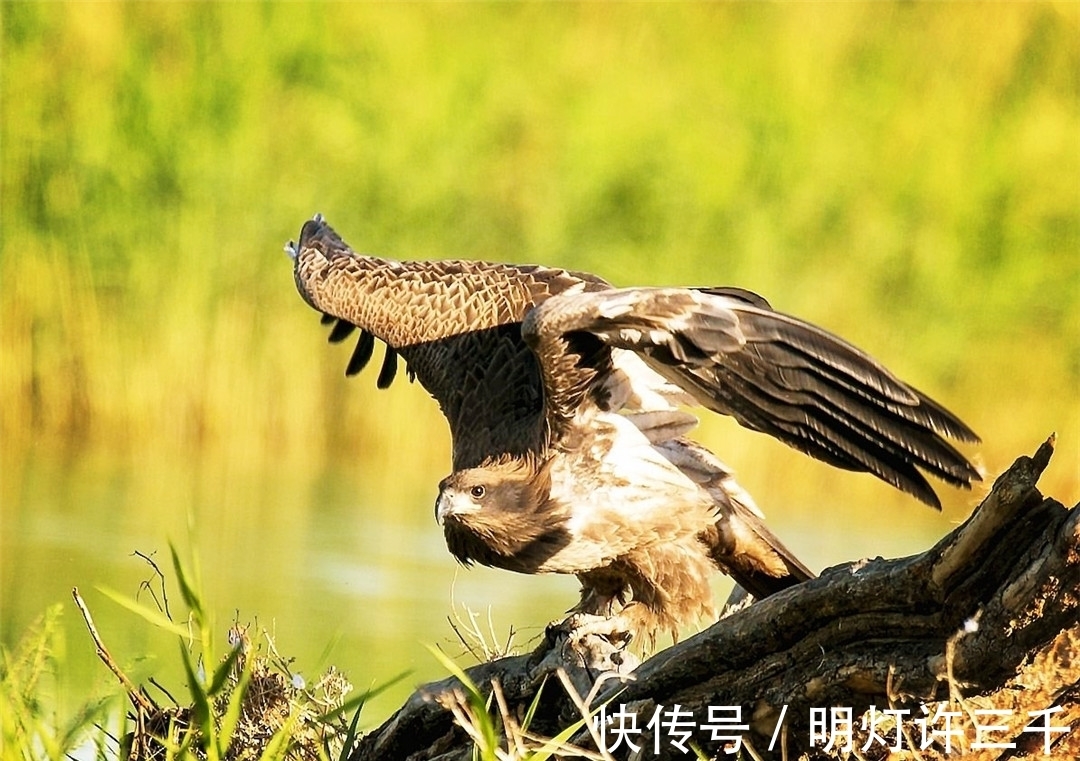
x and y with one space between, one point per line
905 175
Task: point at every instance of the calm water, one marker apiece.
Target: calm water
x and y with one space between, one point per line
303 553
306 560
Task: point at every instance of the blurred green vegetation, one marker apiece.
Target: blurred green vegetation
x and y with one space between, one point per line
906 175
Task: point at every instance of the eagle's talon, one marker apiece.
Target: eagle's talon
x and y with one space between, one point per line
595 644
570 626
579 627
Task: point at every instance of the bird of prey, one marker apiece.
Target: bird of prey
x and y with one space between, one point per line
567 403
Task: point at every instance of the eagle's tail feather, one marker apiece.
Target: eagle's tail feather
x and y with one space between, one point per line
754 556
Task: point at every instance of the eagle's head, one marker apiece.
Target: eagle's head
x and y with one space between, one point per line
500 514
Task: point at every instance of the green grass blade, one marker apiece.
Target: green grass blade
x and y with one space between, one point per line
458 672
557 744
201 703
278 747
349 740
222 672
187 591
531 712
485 721
154 617
359 701
235 709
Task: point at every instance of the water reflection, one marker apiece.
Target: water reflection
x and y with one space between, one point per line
303 557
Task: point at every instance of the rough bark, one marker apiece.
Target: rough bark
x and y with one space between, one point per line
989 618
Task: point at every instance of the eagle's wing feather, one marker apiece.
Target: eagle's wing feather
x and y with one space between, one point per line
361 355
457 325
771 372
341 329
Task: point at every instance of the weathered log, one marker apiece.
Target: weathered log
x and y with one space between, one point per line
984 625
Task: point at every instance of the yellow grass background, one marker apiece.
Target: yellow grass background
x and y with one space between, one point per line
906 175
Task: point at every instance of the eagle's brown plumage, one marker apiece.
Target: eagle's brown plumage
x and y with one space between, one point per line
563 397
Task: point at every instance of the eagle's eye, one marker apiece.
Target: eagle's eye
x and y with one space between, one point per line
478 492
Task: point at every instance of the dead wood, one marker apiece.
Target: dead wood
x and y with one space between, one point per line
976 639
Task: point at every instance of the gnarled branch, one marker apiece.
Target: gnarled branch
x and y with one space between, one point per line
988 619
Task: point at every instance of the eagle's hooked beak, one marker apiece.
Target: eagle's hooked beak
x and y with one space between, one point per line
442 507
452 503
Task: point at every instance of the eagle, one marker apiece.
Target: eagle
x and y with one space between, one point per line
568 404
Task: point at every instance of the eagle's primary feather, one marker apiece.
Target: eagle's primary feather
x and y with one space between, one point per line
565 401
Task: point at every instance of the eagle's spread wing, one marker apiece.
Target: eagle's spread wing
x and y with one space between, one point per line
569 452
772 372
457 325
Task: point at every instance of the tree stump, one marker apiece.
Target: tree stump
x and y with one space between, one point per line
968 650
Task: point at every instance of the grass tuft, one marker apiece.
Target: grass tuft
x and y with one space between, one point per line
243 703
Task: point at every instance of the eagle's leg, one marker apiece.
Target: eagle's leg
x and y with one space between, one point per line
596 614
610 609
595 602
